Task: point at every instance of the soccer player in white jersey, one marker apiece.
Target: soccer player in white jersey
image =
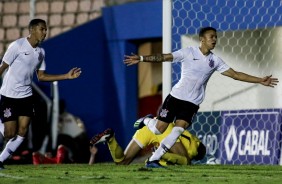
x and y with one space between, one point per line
198 64
22 58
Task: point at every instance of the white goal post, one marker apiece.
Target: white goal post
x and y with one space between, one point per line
167 8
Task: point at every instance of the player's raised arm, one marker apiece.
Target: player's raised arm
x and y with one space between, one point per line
156 58
266 81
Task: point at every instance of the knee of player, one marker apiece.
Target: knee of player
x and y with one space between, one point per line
160 131
161 128
9 135
22 132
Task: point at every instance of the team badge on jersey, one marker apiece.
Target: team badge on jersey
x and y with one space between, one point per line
7 112
211 63
163 113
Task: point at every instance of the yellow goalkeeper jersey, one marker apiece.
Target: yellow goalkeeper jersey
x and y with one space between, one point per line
144 137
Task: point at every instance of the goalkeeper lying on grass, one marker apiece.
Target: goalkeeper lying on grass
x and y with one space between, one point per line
187 148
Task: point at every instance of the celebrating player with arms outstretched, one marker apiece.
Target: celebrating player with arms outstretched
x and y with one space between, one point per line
22 58
198 64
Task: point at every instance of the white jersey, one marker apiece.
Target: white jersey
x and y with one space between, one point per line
23 60
196 69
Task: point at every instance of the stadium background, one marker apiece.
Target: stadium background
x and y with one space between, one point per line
108 93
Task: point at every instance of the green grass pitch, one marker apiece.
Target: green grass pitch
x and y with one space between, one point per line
137 173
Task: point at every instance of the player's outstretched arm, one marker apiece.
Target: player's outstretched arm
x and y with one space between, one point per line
72 74
266 81
157 58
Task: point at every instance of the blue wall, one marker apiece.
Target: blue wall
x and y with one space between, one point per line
106 94
123 25
84 47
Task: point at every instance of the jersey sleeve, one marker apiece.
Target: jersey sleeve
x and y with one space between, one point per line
181 54
11 53
178 56
222 66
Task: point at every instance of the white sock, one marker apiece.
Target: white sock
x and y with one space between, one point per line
167 143
151 124
11 147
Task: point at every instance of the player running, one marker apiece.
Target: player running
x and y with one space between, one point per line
23 58
198 63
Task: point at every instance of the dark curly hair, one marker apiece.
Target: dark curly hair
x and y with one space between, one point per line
35 22
204 30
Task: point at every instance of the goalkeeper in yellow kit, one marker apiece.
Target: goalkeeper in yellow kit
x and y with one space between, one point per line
187 148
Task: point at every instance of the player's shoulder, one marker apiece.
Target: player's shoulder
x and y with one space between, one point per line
187 51
190 48
20 41
17 43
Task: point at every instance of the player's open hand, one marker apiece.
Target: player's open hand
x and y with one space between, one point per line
131 60
74 73
269 81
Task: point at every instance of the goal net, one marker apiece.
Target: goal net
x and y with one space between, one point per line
240 123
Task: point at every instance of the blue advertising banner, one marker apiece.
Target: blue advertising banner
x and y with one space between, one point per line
206 127
250 137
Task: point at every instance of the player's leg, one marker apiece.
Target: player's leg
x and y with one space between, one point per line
10 129
19 111
115 150
169 141
108 137
183 112
159 125
130 152
15 139
156 126
102 137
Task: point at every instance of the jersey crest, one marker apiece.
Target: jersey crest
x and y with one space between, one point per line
163 113
211 63
7 112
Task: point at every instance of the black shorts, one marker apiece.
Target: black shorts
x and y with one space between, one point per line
175 109
12 108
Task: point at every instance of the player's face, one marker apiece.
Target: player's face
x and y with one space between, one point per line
209 39
39 32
